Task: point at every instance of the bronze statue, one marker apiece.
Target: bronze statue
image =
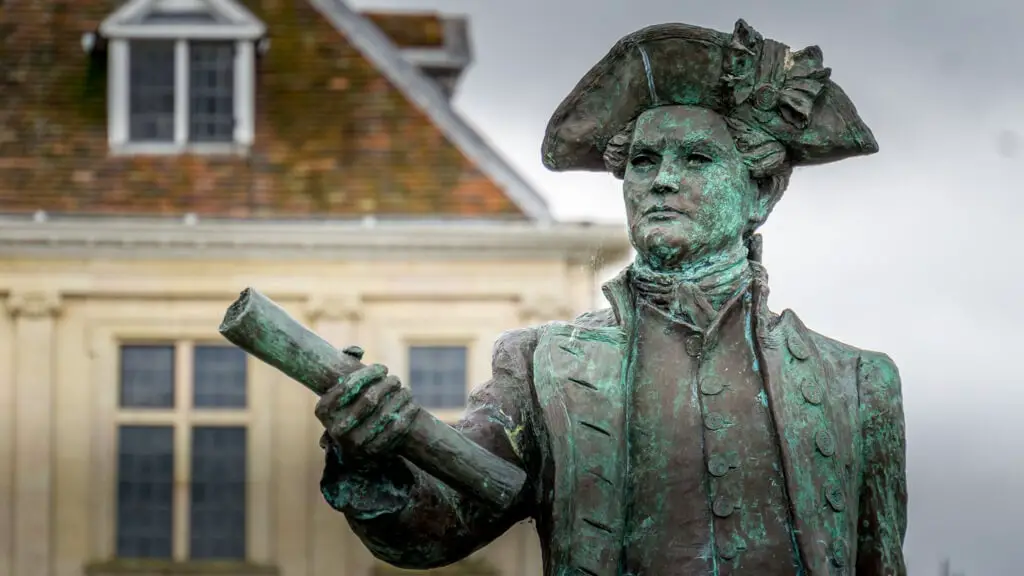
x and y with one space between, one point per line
686 429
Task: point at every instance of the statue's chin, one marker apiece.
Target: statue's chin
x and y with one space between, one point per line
661 248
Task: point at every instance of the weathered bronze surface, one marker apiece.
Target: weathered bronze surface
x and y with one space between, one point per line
259 326
686 429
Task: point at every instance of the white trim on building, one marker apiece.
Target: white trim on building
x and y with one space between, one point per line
228 21
366 239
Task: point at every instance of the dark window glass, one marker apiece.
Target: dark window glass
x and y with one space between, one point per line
147 376
217 511
211 91
437 375
219 377
145 480
151 91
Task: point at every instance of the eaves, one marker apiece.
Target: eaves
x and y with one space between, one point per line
353 240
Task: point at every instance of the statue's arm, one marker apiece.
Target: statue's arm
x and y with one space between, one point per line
409 519
882 522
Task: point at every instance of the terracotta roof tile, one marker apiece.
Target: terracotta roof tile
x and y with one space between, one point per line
410 30
333 136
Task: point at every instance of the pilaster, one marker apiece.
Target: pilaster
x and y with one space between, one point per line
336 318
34 314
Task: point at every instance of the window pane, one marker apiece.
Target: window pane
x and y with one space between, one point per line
145 479
151 91
211 91
218 493
437 375
147 376
219 377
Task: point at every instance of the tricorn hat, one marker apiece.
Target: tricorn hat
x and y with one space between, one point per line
741 75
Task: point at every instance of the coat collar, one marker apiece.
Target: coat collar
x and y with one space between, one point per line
620 295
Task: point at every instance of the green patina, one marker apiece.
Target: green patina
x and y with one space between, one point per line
688 429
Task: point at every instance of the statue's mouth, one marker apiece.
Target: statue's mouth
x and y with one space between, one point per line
665 213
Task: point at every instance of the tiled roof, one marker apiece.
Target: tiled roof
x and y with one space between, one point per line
344 127
408 30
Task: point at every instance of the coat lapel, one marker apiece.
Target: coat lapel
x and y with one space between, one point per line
578 375
808 409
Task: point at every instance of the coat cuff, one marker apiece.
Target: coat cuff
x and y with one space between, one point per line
364 489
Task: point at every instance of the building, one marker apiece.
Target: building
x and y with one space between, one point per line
156 157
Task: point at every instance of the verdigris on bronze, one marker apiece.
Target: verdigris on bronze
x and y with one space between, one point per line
262 328
686 429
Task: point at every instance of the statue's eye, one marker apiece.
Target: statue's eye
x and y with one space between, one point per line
699 159
642 161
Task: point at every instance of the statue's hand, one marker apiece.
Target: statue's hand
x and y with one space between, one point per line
368 412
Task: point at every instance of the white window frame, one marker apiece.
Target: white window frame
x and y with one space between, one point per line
126 24
182 418
182 324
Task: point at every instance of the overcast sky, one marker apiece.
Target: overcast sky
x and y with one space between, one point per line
915 251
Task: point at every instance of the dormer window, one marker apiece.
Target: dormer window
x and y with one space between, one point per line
181 77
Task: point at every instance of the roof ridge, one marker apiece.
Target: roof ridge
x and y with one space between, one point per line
382 52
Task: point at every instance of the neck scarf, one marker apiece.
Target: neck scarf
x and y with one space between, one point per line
696 291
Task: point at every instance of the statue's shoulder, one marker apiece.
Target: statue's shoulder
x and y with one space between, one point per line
869 376
869 368
603 318
524 340
518 341
787 324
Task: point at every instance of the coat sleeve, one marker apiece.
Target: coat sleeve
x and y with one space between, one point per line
411 520
882 522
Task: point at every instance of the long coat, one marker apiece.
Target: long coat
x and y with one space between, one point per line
837 410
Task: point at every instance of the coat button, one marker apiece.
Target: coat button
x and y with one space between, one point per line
765 97
826 445
711 386
694 345
797 347
718 465
839 553
812 392
834 497
714 421
723 506
728 551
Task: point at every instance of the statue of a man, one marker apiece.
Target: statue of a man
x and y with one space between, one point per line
686 429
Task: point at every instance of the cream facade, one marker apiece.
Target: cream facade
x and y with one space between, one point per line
78 292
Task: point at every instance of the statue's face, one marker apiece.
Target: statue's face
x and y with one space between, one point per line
688 193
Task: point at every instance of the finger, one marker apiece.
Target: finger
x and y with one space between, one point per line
354 385
392 424
366 406
347 390
404 412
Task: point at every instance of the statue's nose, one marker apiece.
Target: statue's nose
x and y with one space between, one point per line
668 180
